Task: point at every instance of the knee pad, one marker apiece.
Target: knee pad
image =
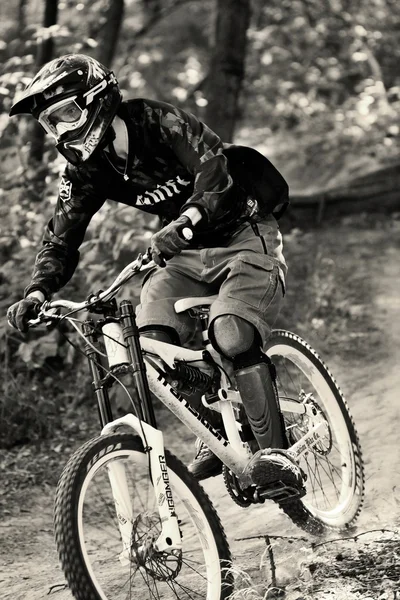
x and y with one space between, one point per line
232 336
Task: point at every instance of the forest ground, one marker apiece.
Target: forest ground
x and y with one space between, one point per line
363 352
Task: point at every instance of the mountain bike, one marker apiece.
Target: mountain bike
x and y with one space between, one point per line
130 520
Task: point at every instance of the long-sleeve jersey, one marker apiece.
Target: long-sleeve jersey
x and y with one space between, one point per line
174 161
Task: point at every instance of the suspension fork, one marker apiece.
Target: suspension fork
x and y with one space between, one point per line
98 383
138 369
116 472
145 426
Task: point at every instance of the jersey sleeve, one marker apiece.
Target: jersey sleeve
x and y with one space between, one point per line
199 150
56 261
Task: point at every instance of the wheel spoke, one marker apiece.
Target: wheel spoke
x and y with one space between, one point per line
317 476
123 568
330 464
184 588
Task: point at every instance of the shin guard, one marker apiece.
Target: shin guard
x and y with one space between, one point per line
257 388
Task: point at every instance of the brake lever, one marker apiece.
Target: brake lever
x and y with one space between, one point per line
43 314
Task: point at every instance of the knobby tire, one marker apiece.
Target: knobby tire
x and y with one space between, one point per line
69 544
287 345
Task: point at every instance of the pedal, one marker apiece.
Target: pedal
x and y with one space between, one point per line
280 492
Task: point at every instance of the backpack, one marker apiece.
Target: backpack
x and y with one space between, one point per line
258 177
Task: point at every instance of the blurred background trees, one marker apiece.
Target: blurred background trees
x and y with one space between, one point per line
296 67
312 84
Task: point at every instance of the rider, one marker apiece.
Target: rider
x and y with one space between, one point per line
164 161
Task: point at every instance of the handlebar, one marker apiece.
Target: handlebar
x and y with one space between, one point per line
47 311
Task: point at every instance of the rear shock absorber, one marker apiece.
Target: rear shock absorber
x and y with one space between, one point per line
185 376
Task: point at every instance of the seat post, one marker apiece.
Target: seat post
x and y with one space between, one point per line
203 316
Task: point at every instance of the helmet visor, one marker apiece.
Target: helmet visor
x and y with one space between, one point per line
63 116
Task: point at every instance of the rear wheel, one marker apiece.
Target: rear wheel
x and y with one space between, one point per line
334 467
89 541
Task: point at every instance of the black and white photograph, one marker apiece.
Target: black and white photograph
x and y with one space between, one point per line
199 300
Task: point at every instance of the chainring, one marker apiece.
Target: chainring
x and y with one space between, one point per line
233 488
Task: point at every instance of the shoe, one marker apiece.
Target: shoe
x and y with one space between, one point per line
205 464
275 470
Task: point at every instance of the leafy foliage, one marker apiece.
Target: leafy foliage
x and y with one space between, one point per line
321 81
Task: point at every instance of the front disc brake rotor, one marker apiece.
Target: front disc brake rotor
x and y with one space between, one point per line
163 566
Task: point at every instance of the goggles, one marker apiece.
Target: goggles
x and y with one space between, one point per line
63 116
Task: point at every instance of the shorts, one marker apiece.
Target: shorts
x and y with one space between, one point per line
248 281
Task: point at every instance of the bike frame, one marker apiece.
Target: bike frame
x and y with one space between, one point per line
149 361
148 378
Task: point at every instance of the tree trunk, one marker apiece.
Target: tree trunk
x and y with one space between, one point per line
227 66
44 53
152 8
46 45
108 36
21 15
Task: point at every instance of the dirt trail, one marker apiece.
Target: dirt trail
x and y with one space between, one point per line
375 395
28 561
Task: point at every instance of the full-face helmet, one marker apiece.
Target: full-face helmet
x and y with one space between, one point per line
75 99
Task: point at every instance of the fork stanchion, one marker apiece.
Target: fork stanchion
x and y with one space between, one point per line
138 368
100 389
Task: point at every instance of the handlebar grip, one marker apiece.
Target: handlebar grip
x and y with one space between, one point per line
34 313
36 308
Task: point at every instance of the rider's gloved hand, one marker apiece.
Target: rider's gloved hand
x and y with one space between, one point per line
22 311
169 241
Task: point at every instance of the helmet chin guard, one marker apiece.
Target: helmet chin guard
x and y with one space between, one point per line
75 99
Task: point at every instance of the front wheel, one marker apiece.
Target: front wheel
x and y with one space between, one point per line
334 466
88 533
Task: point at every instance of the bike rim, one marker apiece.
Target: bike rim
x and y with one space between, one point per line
101 545
331 472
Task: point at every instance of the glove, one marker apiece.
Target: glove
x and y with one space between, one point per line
21 312
168 242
